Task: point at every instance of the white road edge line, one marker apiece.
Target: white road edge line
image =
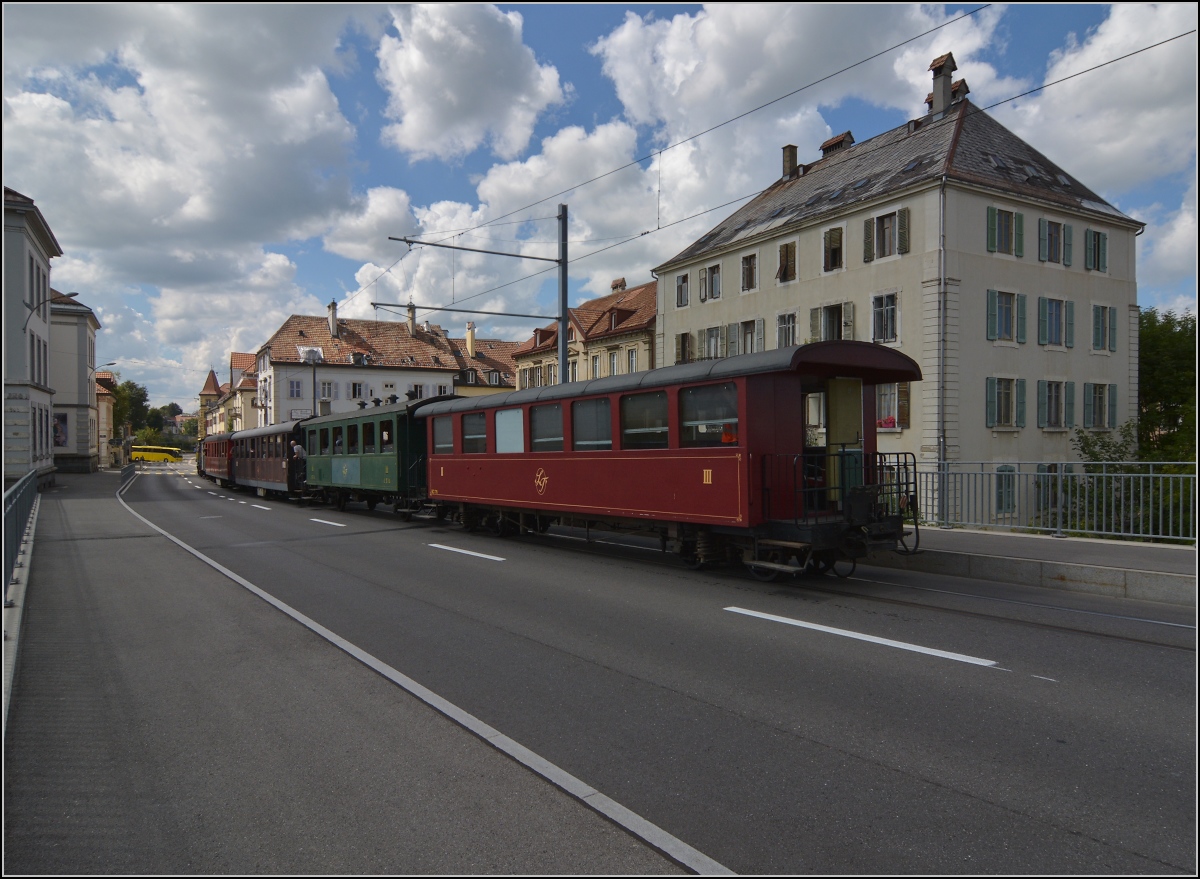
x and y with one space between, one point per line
327 522
886 642
653 835
494 558
260 507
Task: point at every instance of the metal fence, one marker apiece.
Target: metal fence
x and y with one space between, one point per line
18 504
1146 501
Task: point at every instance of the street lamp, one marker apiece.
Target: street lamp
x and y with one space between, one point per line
312 357
35 306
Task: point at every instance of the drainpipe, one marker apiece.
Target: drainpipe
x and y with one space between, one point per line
942 325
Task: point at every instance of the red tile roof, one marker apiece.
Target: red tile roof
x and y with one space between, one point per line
633 309
238 360
211 388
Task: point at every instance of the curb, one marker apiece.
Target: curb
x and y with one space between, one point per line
13 616
1114 582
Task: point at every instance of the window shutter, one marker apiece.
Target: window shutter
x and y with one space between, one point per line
1018 234
698 346
1098 327
990 418
703 285
868 240
679 337
1089 249
723 341
1043 404
1069 404
1066 241
814 324
1021 318
791 261
1112 405
1020 420
1087 404
1112 329
847 320
828 242
1043 239
1069 321
782 262
731 334
991 230
902 230
1043 321
336 385
759 330
902 405
1102 256
993 319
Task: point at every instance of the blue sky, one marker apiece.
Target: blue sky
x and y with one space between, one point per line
209 170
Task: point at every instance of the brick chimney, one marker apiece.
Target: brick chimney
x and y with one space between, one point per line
333 324
943 69
618 285
412 319
843 141
791 166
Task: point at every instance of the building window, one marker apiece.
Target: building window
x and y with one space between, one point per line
294 390
613 362
573 367
443 390
357 390
752 336
1095 250
834 258
1056 322
1005 402
885 235
327 390
1005 232
683 348
785 335
494 377
749 272
1104 328
631 354
1054 242
416 392
1006 489
892 406
831 322
883 313
1099 406
1056 404
787 262
681 291
595 366
710 283
1005 316
712 343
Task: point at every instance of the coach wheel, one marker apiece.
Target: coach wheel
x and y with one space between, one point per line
372 503
766 575
500 526
843 566
339 501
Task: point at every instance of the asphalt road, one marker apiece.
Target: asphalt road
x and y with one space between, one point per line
986 728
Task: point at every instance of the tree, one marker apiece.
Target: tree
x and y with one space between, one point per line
130 404
148 436
171 410
191 426
1166 386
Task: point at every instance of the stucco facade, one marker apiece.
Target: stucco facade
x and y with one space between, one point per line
72 374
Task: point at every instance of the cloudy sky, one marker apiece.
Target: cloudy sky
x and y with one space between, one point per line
211 169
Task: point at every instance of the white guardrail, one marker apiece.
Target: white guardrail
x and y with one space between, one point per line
1147 501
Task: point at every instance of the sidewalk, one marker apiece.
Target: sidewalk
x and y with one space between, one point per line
1124 569
165 720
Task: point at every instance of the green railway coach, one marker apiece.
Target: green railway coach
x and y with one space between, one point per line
375 455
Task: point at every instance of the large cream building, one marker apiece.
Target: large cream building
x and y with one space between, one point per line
950 238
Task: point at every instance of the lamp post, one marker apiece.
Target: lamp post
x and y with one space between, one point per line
312 357
36 305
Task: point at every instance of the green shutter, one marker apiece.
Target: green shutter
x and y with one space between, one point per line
1066 243
1112 329
1043 321
1089 250
1087 404
990 416
814 324
1069 321
1021 318
902 231
1102 256
993 319
1018 234
1112 405
868 240
1043 405
1043 239
1097 327
991 230
902 404
1069 404
1020 419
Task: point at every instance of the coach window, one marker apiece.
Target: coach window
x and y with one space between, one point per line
313 448
591 426
443 435
474 430
510 431
369 438
546 428
708 415
644 421
352 439
324 440
386 443
338 447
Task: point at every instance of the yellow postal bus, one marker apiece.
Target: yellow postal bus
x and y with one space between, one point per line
156 453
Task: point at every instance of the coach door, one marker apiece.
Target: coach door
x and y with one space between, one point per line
844 435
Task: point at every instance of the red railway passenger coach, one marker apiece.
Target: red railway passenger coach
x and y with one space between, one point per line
711 456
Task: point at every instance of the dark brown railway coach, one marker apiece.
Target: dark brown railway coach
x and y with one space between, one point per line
711 456
260 458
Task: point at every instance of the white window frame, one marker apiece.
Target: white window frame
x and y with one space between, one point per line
681 291
880 306
754 255
785 329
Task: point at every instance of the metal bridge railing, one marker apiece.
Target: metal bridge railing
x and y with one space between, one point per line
814 485
18 504
1118 499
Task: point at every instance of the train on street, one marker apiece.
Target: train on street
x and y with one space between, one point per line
715 458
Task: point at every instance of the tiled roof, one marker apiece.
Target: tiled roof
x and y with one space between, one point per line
634 309
390 344
966 145
211 388
238 360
